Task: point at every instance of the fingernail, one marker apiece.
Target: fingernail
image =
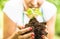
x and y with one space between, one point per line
32 34
30 28
46 26
42 36
46 30
32 37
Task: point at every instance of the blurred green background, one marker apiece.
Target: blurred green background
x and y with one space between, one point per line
57 25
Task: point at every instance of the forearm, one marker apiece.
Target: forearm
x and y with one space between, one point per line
51 31
51 27
8 27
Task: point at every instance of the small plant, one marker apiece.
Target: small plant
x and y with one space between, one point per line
32 12
38 28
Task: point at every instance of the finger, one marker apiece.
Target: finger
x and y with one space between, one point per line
46 29
26 36
44 37
21 27
31 37
22 31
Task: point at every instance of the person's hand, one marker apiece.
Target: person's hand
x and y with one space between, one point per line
45 37
20 34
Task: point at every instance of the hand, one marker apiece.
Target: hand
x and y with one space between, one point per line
45 37
20 34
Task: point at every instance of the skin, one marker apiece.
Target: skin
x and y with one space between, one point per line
10 31
51 27
10 27
32 3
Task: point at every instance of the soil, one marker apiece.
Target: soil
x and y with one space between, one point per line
38 28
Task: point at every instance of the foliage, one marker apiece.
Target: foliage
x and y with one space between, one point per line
2 2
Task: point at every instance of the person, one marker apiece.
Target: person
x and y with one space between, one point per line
14 15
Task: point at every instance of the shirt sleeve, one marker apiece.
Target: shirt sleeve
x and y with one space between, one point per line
49 10
14 10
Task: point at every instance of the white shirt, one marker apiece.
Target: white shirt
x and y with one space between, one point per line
14 9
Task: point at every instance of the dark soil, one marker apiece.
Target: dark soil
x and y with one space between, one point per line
38 28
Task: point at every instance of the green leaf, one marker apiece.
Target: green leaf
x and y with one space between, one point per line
29 11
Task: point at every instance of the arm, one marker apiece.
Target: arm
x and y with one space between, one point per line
11 33
51 26
8 27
